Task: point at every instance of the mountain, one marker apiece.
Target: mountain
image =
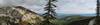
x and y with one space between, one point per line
20 15
88 14
61 15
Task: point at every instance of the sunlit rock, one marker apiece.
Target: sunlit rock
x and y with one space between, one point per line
19 15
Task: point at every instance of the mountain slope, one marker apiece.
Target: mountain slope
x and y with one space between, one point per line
19 15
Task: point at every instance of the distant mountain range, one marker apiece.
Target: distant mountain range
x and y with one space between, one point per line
60 15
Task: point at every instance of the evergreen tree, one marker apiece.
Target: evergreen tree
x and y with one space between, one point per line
98 13
50 14
98 6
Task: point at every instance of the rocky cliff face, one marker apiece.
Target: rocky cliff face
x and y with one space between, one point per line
19 16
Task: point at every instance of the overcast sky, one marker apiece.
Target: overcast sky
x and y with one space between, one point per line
64 6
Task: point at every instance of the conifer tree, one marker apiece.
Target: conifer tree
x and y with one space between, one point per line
50 14
98 13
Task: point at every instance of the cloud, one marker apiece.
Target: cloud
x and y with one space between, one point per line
34 5
5 3
64 6
76 6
